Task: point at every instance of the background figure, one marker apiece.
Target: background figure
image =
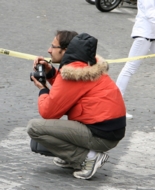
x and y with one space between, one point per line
143 33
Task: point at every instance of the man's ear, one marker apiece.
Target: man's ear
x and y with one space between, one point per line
65 49
62 51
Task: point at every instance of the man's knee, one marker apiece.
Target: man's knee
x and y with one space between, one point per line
31 127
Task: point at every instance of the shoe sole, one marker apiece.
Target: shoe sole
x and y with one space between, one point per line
129 118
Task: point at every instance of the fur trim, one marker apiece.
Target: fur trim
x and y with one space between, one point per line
88 73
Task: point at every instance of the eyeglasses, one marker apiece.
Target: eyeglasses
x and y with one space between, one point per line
53 46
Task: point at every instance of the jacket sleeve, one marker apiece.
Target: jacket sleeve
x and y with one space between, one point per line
149 9
51 75
61 97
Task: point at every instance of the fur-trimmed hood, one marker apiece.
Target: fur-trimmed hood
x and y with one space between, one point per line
86 73
80 62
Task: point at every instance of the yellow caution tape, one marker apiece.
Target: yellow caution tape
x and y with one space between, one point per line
130 59
32 57
19 55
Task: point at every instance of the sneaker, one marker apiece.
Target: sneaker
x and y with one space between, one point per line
129 116
89 167
104 159
61 163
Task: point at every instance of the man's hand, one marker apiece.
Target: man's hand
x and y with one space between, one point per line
41 60
37 83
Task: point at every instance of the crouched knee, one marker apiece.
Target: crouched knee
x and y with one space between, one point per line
31 127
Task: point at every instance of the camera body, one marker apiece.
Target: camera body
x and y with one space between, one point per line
39 74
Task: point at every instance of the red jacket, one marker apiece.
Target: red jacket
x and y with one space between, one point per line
85 93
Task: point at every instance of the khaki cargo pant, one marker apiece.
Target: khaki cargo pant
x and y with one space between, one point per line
66 139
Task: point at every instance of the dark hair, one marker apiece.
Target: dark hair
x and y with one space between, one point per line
64 37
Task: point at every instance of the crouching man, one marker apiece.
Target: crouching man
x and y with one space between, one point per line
82 90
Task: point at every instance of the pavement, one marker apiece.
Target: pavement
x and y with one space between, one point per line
131 165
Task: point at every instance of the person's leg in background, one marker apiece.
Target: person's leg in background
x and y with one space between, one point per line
140 47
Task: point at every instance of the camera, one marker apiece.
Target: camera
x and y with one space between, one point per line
39 74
